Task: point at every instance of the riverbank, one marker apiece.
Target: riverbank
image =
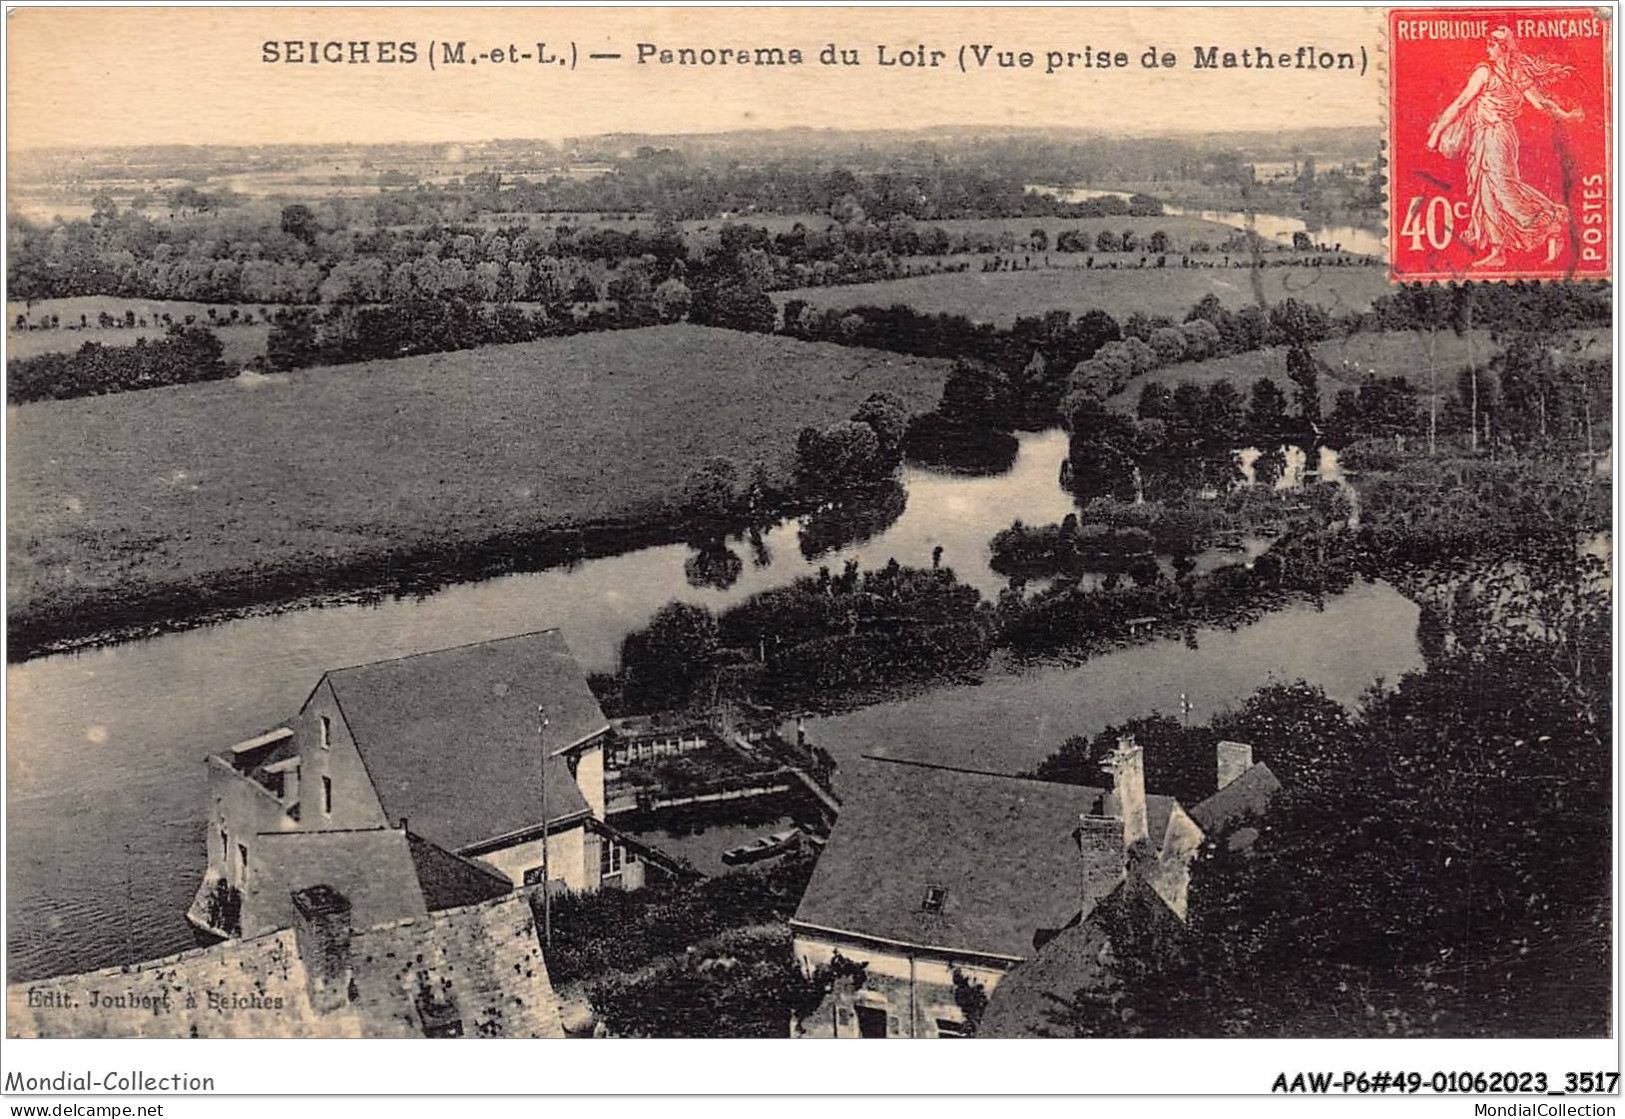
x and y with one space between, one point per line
397 476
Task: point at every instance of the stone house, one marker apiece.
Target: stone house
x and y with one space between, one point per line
416 781
933 873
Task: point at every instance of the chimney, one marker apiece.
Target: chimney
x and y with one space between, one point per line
322 930
1126 764
1235 758
1100 850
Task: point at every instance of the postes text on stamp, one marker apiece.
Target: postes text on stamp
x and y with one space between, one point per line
1499 144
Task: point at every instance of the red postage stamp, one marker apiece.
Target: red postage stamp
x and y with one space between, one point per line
1499 144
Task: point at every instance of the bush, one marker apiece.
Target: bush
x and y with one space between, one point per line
619 930
187 354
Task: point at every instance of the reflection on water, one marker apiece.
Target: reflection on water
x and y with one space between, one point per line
1014 720
1271 227
115 738
852 522
117 735
701 835
1275 227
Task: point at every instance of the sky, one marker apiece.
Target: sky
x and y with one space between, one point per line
98 76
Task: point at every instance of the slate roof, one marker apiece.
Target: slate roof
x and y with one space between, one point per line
483 962
1003 849
386 873
370 866
448 881
449 737
1036 997
1248 795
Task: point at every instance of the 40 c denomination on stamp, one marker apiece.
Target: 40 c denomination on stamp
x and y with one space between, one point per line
1499 144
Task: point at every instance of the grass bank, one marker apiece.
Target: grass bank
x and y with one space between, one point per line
149 509
1002 297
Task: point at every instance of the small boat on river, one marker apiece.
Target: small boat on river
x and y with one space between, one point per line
763 847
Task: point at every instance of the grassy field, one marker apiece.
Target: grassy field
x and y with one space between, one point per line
242 341
1349 361
1002 297
71 307
139 495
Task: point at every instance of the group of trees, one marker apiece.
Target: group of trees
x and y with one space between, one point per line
340 251
819 636
300 337
855 454
1465 814
842 477
693 189
185 354
1071 547
1179 441
1040 358
1210 329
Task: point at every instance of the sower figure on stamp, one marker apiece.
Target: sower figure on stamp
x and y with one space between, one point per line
1480 125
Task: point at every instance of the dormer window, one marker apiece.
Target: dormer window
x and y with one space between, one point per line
325 729
934 897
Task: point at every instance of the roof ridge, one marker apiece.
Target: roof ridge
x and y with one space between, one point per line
446 649
334 831
490 872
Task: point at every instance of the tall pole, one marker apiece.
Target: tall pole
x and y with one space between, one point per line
547 894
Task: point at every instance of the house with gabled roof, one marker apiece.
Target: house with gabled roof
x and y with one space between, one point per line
935 876
1041 996
419 780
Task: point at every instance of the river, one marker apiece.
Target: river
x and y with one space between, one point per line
106 798
1272 227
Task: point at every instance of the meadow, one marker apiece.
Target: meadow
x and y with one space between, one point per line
1348 361
264 485
242 341
1002 297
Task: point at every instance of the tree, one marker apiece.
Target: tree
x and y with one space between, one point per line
298 220
714 491
977 396
291 343
672 299
1298 324
1304 372
1533 400
1107 242
734 305
584 290
1102 450
1156 402
664 661
1092 330
970 996
1168 343
1223 421
1266 412
841 457
713 564
1202 339
889 417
